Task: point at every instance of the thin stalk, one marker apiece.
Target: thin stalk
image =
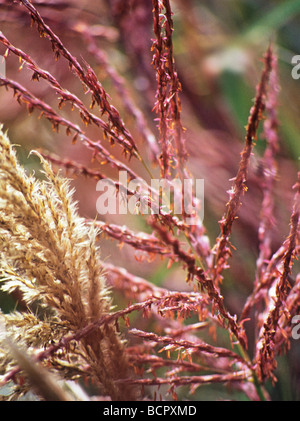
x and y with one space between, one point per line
258 387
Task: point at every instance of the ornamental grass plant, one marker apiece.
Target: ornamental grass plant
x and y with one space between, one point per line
154 303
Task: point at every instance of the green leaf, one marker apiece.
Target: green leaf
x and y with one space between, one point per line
272 21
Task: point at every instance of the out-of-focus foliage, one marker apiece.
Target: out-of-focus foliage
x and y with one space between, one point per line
218 46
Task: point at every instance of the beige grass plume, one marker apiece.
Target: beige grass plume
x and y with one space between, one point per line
50 256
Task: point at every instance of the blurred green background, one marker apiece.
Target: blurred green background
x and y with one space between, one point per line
218 49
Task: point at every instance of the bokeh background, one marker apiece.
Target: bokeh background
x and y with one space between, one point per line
218 49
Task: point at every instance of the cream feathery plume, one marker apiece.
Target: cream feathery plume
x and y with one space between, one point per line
50 256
